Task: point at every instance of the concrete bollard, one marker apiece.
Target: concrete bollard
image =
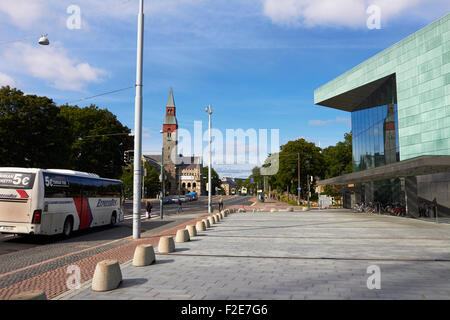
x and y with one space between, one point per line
200 226
290 209
144 255
107 276
192 231
218 217
30 295
273 210
242 210
207 224
166 244
211 220
222 215
182 236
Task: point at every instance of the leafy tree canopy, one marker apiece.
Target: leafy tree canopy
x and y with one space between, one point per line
215 180
34 132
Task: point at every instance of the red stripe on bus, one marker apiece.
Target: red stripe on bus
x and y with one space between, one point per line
22 194
83 212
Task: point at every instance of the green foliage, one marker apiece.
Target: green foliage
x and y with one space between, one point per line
93 149
151 182
34 132
338 158
215 180
312 163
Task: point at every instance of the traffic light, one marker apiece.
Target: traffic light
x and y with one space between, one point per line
128 169
126 157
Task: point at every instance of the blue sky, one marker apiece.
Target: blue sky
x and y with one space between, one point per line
256 61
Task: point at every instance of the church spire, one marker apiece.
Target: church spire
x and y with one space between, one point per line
171 101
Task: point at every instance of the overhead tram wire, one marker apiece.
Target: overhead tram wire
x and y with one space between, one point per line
19 40
101 94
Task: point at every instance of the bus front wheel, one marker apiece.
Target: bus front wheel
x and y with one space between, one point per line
68 227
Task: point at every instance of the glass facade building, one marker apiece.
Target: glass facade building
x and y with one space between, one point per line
399 101
375 129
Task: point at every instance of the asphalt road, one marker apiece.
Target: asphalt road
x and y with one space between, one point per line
23 257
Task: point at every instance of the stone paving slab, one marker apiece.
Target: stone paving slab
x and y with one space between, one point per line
296 255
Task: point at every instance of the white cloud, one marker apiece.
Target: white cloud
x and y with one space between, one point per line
53 65
347 13
22 13
347 121
319 123
6 80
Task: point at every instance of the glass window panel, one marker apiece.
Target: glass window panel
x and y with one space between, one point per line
376 135
381 137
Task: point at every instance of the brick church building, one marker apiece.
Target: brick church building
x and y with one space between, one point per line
183 174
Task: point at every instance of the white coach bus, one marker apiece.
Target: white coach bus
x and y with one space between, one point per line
54 201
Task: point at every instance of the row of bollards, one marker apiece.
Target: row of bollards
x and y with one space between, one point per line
107 275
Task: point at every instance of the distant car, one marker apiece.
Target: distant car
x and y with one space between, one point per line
183 198
193 195
167 200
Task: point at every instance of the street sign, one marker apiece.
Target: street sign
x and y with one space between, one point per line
298 188
251 180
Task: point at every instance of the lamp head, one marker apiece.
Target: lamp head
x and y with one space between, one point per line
43 40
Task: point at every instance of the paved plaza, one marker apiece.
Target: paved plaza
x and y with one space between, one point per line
296 255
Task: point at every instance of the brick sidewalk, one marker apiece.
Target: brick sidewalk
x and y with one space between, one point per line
54 282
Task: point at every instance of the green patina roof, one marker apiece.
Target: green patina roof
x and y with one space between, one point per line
171 101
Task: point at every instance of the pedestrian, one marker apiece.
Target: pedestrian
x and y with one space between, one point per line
148 207
220 204
180 207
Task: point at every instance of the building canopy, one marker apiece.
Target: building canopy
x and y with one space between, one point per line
412 167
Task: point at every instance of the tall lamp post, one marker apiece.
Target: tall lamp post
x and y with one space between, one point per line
138 126
163 191
209 111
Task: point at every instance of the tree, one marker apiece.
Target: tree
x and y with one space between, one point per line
98 140
33 134
311 163
151 182
215 180
338 158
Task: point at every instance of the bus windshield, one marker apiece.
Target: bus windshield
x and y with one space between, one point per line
16 180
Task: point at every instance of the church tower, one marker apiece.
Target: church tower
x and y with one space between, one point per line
170 144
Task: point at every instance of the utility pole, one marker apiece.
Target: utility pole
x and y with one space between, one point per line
209 111
163 193
309 188
138 126
298 187
144 174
